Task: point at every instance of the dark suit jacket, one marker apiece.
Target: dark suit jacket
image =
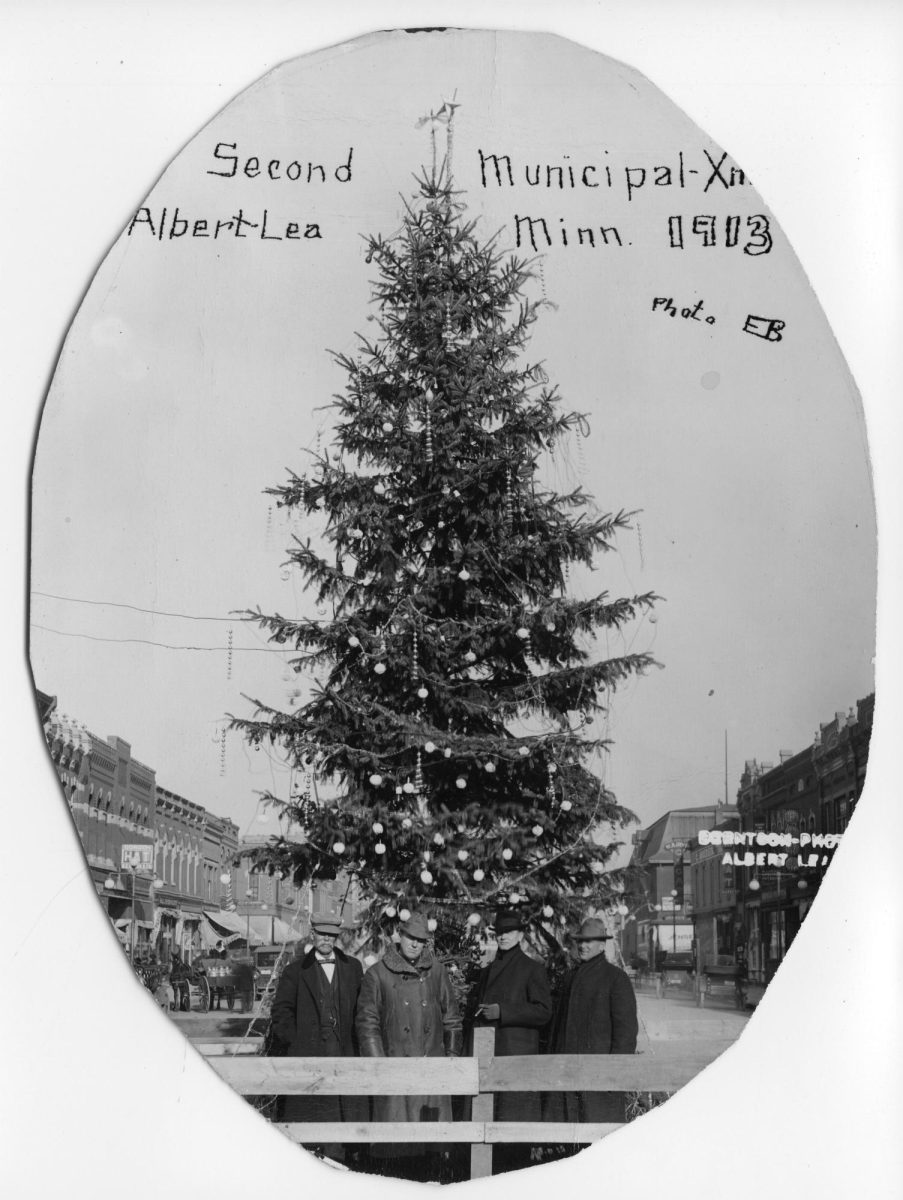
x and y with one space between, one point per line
520 987
298 1025
596 1014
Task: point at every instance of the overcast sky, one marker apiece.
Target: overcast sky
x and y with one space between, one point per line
197 369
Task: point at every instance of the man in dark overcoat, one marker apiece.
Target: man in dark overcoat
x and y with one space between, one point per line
596 1014
513 997
408 1009
313 1017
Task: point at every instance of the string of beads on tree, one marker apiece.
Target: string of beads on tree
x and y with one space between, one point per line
451 638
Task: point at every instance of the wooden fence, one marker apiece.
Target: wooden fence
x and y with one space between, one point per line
665 1068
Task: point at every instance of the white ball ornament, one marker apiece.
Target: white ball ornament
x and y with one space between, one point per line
523 633
405 914
406 823
507 854
553 769
380 668
391 910
479 875
377 827
376 780
338 847
463 856
464 574
387 426
490 767
430 747
426 856
422 692
461 782
566 806
474 919
354 641
438 839
431 924
524 751
548 911
447 752
379 848
537 831
408 788
380 490
470 657
515 898
426 877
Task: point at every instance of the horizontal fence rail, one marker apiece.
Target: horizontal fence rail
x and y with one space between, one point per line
664 1069
251 1075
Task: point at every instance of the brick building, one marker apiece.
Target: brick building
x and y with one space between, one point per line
812 793
659 920
198 886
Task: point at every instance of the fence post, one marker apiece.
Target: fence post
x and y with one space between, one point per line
483 1103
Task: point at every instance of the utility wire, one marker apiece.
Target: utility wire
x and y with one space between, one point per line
164 645
134 608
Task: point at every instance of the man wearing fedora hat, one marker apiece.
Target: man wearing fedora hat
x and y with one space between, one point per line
596 1014
313 1017
407 1009
513 997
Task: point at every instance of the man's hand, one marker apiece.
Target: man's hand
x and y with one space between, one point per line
489 1012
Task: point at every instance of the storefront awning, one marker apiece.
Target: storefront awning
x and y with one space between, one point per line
211 936
231 924
274 931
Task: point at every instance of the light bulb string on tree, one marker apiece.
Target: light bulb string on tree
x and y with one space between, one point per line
578 843
454 318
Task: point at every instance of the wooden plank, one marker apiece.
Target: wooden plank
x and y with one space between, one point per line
482 1106
481 1134
312 1133
665 1071
258 1076
549 1131
254 1039
230 1046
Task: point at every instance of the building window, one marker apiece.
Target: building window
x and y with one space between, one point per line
253 887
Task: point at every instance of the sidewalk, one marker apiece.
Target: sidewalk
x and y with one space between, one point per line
675 1017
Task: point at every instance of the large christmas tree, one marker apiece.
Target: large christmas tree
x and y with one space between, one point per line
455 681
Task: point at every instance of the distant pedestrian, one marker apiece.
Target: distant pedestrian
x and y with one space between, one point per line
179 974
596 1014
164 994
